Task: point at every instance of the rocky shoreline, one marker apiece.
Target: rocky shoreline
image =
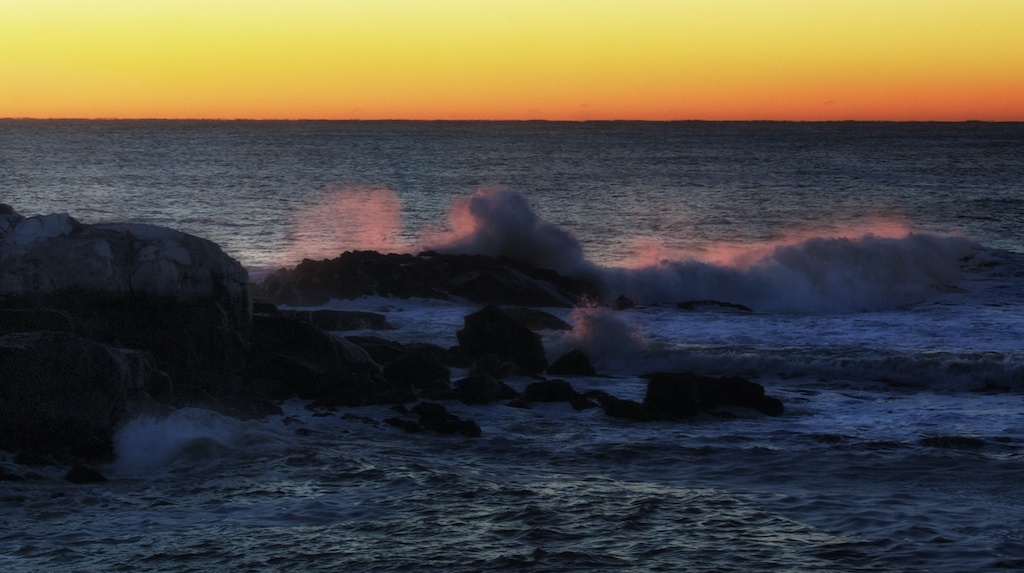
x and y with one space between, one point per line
103 323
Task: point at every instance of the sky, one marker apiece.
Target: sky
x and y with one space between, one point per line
939 60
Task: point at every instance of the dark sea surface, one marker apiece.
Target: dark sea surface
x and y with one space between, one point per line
884 263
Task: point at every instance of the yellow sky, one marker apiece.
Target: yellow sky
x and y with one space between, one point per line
513 59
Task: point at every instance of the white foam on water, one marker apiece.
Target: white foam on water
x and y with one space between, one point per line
191 436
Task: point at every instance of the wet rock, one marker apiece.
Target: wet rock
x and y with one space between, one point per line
408 425
623 303
419 367
381 350
682 395
63 395
572 363
550 391
483 389
491 331
478 278
537 319
305 361
625 409
436 418
341 320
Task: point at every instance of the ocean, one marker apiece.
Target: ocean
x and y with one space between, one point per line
882 263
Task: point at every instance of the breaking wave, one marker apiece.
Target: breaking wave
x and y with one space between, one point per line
857 271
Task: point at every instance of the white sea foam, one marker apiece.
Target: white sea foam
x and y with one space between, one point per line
148 445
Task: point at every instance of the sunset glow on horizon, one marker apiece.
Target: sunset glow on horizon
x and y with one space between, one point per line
934 60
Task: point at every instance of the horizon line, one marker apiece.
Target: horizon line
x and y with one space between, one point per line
536 120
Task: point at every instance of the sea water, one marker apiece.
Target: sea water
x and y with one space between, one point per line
882 265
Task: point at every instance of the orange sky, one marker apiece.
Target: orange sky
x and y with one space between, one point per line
513 59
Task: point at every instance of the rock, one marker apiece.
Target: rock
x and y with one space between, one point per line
572 363
142 287
478 278
495 367
80 474
483 389
340 320
550 391
419 367
381 350
55 253
537 319
65 396
713 305
682 395
625 409
409 426
436 417
556 391
264 307
623 303
491 331
310 363
33 320
505 285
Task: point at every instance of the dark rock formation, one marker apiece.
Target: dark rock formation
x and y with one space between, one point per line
436 418
483 389
419 367
142 287
681 395
294 358
34 320
625 409
65 396
623 303
537 319
491 331
340 320
381 350
556 391
572 363
478 278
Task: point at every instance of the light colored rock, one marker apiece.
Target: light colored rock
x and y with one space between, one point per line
52 253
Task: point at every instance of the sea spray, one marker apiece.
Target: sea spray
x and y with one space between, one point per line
882 265
611 341
188 436
349 218
498 222
818 275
